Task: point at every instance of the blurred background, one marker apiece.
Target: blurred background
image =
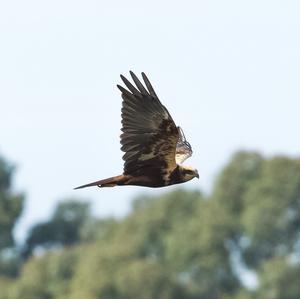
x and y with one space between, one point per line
228 72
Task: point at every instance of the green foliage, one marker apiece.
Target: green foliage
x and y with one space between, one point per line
46 277
11 206
234 180
280 280
10 262
64 227
263 197
97 229
5 286
197 251
180 245
147 279
272 215
153 219
113 271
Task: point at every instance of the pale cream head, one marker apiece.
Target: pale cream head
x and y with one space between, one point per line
188 173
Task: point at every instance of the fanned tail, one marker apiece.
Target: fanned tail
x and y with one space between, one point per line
109 182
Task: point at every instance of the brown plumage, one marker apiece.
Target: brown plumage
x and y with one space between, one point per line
154 146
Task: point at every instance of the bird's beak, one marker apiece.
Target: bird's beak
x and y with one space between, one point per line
197 175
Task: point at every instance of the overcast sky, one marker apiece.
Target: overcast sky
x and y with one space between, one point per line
228 71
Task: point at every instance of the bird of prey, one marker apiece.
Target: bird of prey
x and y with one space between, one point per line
154 146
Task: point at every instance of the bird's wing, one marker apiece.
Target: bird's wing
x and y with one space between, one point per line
149 135
183 148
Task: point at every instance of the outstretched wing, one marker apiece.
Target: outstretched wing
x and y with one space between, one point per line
183 148
149 135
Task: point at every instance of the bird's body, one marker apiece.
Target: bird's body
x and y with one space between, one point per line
154 146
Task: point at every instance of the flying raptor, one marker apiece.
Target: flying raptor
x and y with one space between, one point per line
154 146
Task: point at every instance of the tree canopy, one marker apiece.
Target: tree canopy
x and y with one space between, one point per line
63 228
11 206
180 245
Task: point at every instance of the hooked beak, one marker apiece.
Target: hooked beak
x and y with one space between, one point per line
197 175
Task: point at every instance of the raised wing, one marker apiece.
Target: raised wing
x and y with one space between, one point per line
183 148
149 135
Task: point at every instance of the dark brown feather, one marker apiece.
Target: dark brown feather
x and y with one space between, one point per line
138 84
149 86
149 135
109 182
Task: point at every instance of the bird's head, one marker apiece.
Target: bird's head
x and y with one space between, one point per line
188 173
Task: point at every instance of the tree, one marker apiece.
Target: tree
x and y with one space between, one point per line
279 280
271 217
180 244
263 196
63 228
45 277
11 207
168 247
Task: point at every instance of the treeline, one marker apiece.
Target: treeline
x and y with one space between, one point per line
180 245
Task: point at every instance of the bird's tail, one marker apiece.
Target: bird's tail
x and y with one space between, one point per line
109 182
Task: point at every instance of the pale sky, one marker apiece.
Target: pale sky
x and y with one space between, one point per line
228 71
